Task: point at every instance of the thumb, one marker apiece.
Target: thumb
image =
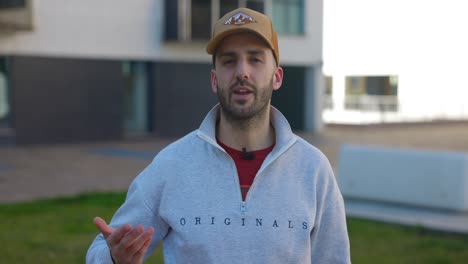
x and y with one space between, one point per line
102 226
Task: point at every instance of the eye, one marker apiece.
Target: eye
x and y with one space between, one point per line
255 59
228 61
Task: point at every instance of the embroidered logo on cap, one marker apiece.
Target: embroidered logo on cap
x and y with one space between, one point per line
240 19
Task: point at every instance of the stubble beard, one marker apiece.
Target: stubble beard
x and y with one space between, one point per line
239 116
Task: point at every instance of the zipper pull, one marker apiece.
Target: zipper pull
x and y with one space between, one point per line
243 207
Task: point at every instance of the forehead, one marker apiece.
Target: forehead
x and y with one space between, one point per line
242 41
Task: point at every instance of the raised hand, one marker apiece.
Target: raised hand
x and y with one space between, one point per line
127 244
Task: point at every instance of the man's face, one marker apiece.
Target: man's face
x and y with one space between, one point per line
245 76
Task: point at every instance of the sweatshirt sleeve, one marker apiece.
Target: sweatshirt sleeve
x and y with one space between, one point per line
329 237
140 207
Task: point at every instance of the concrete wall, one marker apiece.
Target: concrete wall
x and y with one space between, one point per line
423 178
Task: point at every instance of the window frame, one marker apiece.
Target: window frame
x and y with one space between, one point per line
183 20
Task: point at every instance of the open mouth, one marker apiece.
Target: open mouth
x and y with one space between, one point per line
242 91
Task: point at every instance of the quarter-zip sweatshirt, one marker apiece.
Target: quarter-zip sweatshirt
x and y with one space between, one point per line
293 212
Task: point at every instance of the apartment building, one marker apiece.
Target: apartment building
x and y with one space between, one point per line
73 71
395 61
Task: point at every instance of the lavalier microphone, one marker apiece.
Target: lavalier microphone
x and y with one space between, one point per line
247 155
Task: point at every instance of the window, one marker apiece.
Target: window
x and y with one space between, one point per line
16 15
227 6
136 94
355 85
257 5
12 3
201 19
4 95
328 101
188 20
288 16
372 93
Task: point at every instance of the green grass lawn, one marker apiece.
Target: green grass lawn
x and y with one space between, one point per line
60 231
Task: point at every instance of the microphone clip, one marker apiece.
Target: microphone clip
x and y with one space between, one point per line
247 155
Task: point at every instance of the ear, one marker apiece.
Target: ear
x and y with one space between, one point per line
214 81
277 78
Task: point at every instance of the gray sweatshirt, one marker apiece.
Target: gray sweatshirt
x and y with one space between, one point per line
190 194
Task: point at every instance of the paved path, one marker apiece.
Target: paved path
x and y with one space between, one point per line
45 171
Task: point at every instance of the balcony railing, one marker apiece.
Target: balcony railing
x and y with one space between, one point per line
372 103
365 109
367 103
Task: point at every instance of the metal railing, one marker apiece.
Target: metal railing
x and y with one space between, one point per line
372 103
367 103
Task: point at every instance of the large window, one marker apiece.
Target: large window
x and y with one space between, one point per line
4 95
136 97
12 3
288 16
201 19
188 20
372 93
226 6
258 5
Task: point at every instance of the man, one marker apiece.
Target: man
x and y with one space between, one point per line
240 189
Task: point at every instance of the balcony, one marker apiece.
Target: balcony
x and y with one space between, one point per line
16 15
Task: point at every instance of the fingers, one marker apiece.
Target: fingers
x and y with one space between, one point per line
131 236
126 243
133 246
139 246
118 234
112 235
140 253
102 226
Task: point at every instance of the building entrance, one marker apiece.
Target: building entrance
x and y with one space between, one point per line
136 98
5 108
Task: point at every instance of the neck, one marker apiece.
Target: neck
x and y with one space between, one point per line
253 134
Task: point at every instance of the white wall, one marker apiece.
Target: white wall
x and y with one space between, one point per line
102 28
422 41
307 49
134 30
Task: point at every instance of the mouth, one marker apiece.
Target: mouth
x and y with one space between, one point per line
242 94
242 91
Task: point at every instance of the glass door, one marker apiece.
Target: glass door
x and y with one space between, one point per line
5 107
135 98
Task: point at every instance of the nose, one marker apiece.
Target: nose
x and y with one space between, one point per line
242 72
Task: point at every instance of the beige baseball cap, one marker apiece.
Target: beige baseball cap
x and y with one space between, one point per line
244 20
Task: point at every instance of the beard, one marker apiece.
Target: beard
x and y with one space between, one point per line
245 114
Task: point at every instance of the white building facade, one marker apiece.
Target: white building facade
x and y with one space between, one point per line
395 60
147 55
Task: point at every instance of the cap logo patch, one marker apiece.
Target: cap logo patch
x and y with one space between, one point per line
240 19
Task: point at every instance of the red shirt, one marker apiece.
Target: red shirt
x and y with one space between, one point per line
247 168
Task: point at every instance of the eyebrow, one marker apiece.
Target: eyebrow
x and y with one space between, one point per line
250 52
